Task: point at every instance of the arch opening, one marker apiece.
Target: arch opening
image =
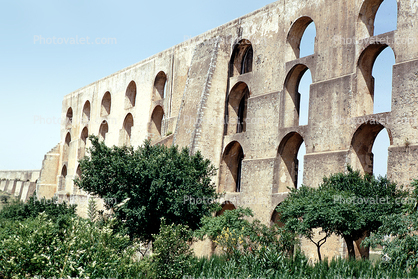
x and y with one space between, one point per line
66 148
296 104
231 168
160 86
86 113
369 100
128 123
103 130
242 58
237 106
377 17
83 142
275 218
302 36
130 95
69 117
156 124
106 104
362 157
61 185
227 205
290 162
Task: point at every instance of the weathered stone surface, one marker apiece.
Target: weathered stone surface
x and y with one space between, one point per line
232 93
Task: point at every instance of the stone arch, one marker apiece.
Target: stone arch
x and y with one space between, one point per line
361 154
156 124
83 142
365 80
130 95
292 97
103 130
288 163
128 123
237 106
86 113
63 176
76 189
275 217
69 117
231 168
367 16
66 147
241 59
78 171
160 86
106 104
295 34
227 205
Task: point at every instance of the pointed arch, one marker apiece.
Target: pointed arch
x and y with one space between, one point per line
130 95
362 142
237 106
367 18
160 86
291 115
227 205
86 113
231 168
62 180
365 96
103 130
241 61
288 163
69 117
295 34
106 104
83 142
128 123
66 147
156 124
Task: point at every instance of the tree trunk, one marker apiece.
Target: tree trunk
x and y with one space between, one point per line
350 246
319 252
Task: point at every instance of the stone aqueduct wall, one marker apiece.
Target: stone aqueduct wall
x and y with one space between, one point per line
21 184
249 69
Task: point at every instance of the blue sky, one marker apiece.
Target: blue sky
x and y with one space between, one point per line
35 75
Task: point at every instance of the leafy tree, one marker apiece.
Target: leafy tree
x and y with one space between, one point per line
347 204
149 183
398 235
237 236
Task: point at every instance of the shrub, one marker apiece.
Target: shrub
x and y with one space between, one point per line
172 253
70 247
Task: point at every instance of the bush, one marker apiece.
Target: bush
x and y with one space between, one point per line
19 211
172 253
70 247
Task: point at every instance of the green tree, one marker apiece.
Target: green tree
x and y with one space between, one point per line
237 236
398 235
347 204
149 183
173 256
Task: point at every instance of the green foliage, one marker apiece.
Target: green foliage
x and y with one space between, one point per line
172 253
398 236
346 204
92 210
19 211
271 265
236 235
73 247
149 183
